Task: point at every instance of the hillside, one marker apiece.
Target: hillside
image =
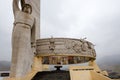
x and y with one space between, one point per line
4 65
111 64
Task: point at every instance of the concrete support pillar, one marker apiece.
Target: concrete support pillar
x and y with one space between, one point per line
93 64
37 64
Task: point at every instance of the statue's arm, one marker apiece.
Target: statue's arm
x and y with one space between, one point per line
15 6
22 3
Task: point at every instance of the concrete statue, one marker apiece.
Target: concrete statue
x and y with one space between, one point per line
21 39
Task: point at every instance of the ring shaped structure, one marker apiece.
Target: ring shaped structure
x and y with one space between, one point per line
65 50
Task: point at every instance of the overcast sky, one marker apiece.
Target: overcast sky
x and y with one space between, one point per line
98 20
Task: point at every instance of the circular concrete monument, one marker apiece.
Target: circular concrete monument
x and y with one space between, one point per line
50 51
65 50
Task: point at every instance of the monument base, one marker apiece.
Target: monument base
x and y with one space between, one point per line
90 72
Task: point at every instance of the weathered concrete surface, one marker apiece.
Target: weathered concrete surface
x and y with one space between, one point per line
65 50
22 55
